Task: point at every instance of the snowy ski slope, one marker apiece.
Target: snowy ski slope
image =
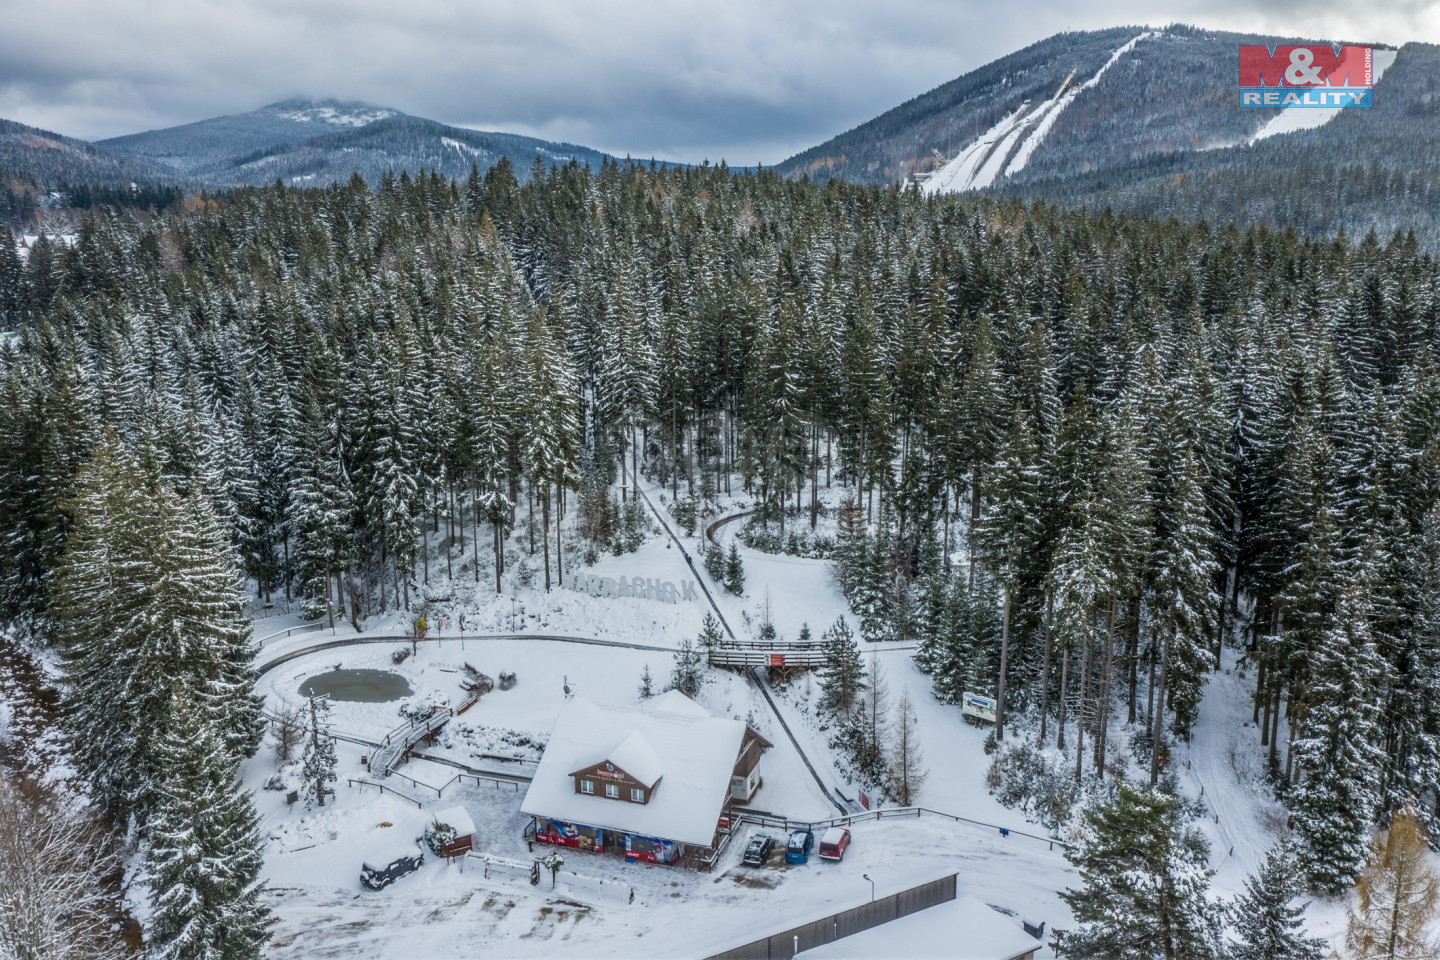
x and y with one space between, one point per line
1294 119
980 164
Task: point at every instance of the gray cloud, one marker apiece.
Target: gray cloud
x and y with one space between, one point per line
747 80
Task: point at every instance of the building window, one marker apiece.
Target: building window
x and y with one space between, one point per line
637 795
586 786
612 791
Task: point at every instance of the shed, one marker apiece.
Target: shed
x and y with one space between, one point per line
458 820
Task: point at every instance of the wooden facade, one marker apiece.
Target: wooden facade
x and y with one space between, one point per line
603 774
744 780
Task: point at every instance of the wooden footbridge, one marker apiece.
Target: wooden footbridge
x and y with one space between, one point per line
777 656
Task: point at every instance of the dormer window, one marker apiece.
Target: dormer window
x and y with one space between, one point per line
612 791
587 786
637 795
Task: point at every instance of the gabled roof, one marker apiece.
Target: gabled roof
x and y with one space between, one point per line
634 757
673 701
694 751
637 757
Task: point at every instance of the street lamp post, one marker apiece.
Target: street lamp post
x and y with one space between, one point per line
872 886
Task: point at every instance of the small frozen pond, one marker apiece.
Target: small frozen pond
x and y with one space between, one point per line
361 686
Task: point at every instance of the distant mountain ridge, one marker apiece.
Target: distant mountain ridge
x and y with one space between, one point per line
1147 119
309 142
52 158
1132 92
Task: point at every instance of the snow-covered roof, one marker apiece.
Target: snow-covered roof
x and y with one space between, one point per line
456 817
695 751
673 701
833 835
965 928
637 757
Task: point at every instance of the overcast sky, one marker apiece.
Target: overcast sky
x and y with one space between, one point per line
747 80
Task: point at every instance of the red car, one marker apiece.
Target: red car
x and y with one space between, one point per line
834 843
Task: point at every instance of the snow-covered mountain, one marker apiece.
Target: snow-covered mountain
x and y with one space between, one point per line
1147 119
1072 104
319 141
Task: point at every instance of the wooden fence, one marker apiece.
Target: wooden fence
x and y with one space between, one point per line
830 928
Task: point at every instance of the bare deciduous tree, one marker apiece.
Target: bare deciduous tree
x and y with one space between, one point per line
56 898
287 731
907 771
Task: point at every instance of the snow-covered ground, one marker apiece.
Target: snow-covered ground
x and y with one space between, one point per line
449 909
313 857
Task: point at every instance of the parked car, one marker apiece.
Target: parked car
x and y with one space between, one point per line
758 850
797 850
834 843
396 864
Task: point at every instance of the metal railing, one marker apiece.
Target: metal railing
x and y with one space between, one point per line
401 739
384 789
290 631
888 813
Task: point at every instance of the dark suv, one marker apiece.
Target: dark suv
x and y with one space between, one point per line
379 877
757 852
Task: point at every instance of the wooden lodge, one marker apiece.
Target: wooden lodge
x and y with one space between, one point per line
650 784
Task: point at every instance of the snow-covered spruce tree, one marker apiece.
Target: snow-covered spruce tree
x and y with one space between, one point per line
551 447
842 677
1395 897
689 672
1179 593
849 544
317 761
50 421
933 623
203 857
715 564
625 378
1337 750
873 599
487 425
647 683
866 733
734 571
148 589
1144 881
323 512
1007 536
1410 717
710 634
1268 924
907 772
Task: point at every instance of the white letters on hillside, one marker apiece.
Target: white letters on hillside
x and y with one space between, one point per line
641 588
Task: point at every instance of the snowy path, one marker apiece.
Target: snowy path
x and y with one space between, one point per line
1224 765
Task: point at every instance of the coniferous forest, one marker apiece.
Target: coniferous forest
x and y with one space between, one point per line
1090 456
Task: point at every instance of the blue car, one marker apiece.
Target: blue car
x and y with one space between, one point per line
797 849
